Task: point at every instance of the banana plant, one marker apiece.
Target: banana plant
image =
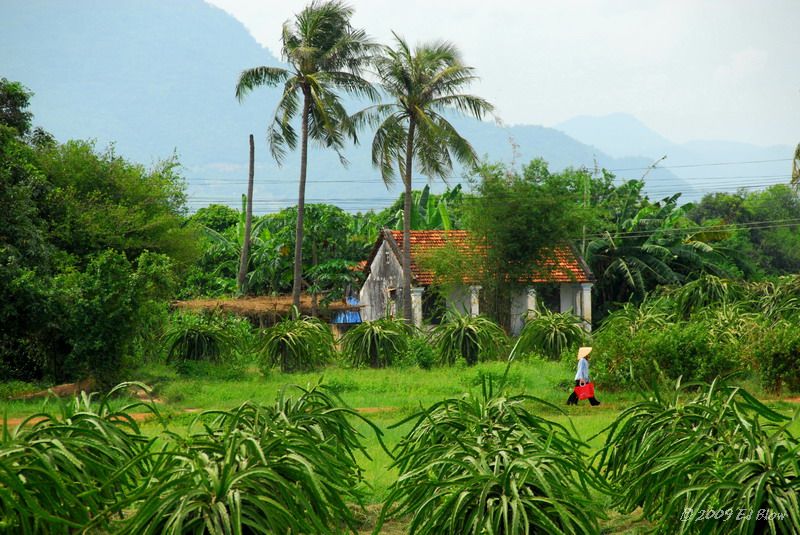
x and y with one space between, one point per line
429 211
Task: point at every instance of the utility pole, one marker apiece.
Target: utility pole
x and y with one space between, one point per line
248 222
586 187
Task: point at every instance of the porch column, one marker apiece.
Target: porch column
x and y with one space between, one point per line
416 305
531 302
474 300
586 305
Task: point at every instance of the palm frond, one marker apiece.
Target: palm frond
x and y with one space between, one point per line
250 79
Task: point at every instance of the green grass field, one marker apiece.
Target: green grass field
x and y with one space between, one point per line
386 397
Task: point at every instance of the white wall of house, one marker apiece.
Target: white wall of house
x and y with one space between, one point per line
458 299
385 278
569 298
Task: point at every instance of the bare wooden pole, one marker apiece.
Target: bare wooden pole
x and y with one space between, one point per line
248 221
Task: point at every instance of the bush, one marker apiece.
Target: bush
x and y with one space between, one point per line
419 353
475 465
296 345
197 337
378 344
286 468
69 472
551 333
472 338
699 447
777 352
630 350
105 307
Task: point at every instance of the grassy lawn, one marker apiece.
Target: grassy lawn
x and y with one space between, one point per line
386 397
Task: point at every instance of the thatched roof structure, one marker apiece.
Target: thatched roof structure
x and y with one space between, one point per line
264 310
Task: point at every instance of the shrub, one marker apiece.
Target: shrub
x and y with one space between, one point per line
419 353
551 333
475 465
285 468
777 352
297 345
469 337
68 472
629 350
378 343
699 447
708 290
197 337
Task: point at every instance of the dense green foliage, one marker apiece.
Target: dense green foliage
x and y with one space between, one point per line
519 216
289 467
377 344
698 331
467 337
197 337
88 243
61 473
488 465
551 333
297 345
698 447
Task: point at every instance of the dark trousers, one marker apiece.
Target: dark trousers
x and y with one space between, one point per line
573 397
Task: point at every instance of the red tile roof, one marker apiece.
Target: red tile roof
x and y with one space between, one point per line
562 264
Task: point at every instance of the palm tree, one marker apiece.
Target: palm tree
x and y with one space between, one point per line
325 53
423 83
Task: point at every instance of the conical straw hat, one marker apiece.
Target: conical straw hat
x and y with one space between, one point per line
583 352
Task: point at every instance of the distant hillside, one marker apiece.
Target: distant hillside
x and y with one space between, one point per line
620 134
156 76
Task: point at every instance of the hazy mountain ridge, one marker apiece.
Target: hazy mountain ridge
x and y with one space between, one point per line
619 134
154 77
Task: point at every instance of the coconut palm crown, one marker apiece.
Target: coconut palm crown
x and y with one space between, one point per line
422 84
325 55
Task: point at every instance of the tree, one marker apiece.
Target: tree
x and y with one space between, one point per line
519 216
248 224
217 217
424 83
652 244
325 53
429 211
14 100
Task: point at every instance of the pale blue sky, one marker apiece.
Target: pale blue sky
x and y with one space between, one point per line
699 69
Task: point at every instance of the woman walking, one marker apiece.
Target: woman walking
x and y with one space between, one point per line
582 377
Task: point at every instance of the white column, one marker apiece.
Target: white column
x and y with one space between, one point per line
416 305
531 302
586 305
474 300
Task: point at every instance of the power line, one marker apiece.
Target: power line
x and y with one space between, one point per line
291 182
463 177
751 225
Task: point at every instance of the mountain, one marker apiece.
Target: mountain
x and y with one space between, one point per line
620 134
154 77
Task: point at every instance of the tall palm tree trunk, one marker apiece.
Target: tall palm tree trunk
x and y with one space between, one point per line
407 310
248 222
301 201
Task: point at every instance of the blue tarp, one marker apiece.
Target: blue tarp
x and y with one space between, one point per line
350 316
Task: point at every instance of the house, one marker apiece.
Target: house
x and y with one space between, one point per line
381 293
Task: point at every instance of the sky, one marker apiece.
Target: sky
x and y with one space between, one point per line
689 69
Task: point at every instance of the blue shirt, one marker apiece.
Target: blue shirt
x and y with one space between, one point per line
583 371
